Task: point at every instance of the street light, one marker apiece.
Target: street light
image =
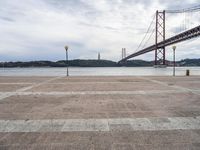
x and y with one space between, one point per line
174 48
67 62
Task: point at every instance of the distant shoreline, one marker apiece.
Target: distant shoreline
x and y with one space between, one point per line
96 63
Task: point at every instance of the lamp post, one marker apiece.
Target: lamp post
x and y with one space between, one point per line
67 62
174 48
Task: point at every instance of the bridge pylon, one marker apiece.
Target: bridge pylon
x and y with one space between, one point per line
159 37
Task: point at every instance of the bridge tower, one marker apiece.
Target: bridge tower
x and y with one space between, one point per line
160 36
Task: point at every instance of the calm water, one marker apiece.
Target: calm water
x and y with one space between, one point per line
101 71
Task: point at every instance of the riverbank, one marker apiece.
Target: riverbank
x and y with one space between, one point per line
96 63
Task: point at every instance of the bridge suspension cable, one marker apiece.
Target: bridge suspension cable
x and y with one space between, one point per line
148 31
145 44
187 19
191 9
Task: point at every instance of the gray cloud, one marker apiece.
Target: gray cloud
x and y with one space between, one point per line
7 19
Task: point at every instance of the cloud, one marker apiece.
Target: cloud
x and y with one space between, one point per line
39 29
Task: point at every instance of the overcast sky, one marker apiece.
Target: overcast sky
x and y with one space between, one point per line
39 29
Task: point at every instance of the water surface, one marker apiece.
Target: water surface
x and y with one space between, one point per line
98 71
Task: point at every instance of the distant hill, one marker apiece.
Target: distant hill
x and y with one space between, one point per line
89 63
190 62
61 63
96 63
137 63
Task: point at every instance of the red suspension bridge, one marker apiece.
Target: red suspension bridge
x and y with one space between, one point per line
160 35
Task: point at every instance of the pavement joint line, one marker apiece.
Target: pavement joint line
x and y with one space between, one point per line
39 145
124 111
72 82
13 83
4 95
97 92
96 125
174 86
8 94
95 82
136 81
7 83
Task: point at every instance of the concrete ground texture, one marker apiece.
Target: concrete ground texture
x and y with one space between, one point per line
100 113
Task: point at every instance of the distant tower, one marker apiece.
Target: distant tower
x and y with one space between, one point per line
123 53
99 56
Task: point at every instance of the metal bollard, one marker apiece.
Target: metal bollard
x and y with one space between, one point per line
187 72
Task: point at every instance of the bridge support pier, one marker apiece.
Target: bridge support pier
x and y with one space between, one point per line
159 37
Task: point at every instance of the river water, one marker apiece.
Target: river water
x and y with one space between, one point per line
98 71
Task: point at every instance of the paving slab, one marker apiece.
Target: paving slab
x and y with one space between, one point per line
108 86
22 79
176 139
97 79
100 106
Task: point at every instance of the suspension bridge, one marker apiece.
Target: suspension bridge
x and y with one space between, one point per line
161 42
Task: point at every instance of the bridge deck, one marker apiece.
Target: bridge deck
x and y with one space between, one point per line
100 113
186 35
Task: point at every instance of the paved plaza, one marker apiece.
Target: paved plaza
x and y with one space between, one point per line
100 113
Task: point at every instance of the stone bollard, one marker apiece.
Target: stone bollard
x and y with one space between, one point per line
188 72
